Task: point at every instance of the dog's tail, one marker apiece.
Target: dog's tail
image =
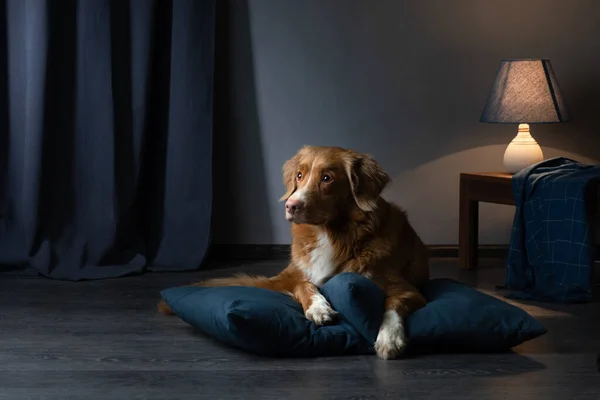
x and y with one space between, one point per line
235 280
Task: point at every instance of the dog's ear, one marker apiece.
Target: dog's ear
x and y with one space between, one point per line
290 171
367 180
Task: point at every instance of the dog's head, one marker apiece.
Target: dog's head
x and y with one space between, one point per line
324 183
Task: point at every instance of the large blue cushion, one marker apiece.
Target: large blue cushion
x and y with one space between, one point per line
457 318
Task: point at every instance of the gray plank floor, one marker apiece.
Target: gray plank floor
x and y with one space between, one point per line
103 340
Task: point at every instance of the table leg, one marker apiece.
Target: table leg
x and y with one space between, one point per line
468 224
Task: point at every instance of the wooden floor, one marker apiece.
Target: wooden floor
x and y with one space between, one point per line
103 340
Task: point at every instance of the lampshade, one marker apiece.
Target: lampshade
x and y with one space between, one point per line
525 91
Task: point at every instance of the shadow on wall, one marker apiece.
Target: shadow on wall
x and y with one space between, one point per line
237 141
404 81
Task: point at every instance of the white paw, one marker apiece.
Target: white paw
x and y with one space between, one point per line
320 312
391 340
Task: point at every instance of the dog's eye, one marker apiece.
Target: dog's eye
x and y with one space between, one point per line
299 176
326 178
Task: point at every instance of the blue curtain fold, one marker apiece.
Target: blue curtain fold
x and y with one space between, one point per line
105 135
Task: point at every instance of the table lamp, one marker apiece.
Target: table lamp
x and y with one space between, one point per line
524 92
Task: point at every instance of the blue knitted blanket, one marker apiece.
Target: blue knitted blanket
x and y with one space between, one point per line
551 253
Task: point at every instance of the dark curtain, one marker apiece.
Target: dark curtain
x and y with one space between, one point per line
105 135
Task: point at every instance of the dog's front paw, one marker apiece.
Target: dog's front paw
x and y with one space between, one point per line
391 340
320 312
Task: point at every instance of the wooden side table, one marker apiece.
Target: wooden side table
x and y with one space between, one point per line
488 187
495 187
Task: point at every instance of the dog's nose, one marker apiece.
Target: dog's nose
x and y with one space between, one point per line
293 206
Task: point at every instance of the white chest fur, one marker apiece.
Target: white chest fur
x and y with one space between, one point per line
320 266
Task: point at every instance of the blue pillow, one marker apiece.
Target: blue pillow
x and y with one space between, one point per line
460 318
264 322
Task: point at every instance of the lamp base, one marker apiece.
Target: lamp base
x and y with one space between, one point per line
522 151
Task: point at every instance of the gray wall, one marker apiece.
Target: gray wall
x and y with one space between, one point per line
403 80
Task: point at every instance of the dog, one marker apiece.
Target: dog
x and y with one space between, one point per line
341 223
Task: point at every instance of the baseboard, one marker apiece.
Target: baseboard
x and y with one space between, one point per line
239 252
485 251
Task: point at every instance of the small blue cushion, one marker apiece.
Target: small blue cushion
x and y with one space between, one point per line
456 318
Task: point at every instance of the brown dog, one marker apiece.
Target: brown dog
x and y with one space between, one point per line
340 223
